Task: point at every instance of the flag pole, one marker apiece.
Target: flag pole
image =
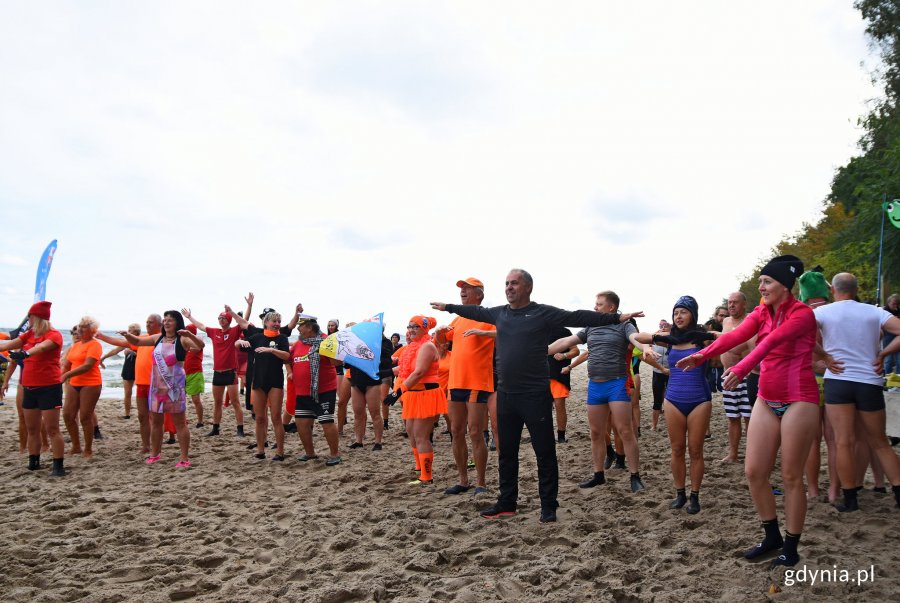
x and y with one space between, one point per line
878 300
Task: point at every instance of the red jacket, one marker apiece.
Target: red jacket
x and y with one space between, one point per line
784 346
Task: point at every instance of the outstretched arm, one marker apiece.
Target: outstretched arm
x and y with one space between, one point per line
642 344
296 318
564 343
187 314
119 342
190 341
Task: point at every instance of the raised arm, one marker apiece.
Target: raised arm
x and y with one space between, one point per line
296 318
249 299
187 314
240 320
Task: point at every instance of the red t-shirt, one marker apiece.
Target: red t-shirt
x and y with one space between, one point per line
41 370
193 362
301 372
224 354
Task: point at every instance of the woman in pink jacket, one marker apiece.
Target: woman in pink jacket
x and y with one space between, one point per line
786 414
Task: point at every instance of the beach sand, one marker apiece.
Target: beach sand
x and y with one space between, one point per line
236 529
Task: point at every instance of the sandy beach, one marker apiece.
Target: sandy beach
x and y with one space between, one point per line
232 528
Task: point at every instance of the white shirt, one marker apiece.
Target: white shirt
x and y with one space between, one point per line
851 333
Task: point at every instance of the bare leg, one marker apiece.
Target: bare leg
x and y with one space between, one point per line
358 400
143 411
598 419
275 401
477 420
798 429
763 441
88 397
373 401
697 427
129 386
677 426
70 418
304 430
459 421
156 432
183 433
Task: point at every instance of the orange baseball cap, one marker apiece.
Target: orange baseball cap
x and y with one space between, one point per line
474 282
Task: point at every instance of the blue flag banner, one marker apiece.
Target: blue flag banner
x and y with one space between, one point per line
359 346
43 271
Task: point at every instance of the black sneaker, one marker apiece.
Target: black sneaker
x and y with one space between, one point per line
457 489
496 511
355 445
98 435
548 516
620 462
290 427
376 447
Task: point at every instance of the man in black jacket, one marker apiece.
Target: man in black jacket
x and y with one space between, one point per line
523 390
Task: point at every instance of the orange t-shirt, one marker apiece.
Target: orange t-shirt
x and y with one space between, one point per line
444 371
4 336
472 361
143 364
78 355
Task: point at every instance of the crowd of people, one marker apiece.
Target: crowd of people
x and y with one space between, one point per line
792 372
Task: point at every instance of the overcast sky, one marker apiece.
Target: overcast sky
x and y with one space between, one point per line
363 156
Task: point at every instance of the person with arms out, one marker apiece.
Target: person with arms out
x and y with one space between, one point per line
607 396
225 365
128 365
143 373
471 382
39 350
851 333
524 398
786 413
167 386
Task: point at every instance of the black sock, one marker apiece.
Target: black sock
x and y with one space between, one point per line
771 528
610 451
636 474
790 544
771 542
560 434
679 491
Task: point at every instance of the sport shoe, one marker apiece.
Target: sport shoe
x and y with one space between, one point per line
496 511
98 435
152 459
183 464
479 490
457 489
548 516
307 457
355 445
376 447
332 461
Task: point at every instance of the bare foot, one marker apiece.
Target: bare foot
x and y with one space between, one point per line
73 451
812 494
23 450
145 450
729 459
87 454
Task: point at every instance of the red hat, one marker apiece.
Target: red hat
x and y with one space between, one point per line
41 309
470 281
225 315
192 328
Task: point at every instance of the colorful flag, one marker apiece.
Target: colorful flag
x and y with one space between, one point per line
359 346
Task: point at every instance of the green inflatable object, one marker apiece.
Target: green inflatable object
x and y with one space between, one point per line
893 211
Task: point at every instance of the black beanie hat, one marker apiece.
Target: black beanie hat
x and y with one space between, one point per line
785 269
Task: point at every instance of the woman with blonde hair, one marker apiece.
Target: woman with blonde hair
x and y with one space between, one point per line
83 385
40 349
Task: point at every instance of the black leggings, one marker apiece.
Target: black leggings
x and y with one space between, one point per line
660 382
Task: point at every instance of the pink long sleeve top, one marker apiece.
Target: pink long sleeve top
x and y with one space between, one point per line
784 346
